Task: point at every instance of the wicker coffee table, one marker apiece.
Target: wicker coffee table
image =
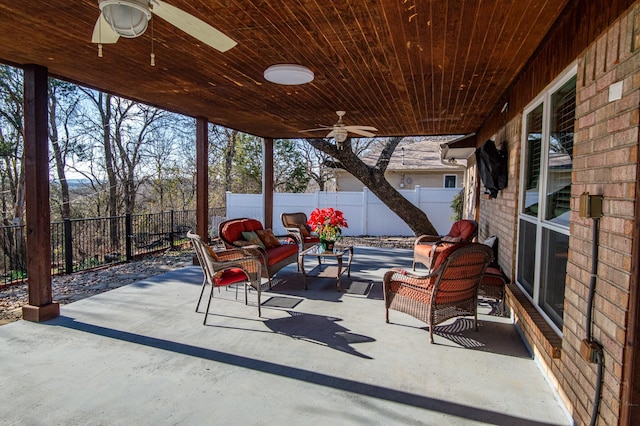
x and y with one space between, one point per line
324 270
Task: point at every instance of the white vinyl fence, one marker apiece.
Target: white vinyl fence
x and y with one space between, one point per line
364 212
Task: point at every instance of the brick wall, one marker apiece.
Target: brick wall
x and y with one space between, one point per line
498 216
605 162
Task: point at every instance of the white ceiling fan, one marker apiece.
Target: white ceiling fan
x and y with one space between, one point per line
340 131
129 18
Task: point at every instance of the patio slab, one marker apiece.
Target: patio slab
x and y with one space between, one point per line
139 354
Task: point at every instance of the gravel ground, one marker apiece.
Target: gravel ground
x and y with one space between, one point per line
69 288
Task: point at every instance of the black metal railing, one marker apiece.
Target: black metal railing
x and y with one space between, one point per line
82 244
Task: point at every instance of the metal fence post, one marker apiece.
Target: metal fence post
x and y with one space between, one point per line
171 233
68 247
128 228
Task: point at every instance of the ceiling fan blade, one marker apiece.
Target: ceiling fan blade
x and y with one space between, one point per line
192 26
315 130
103 33
362 133
369 128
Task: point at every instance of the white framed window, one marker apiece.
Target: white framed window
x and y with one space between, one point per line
450 181
545 193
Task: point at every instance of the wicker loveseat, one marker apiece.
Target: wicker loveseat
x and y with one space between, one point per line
272 258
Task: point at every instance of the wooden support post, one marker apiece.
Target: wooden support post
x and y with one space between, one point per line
202 178
38 220
267 181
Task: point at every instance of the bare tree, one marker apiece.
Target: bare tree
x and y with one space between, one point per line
135 125
12 165
11 144
170 152
373 178
63 100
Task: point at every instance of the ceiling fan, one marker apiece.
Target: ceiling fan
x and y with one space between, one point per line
340 131
129 18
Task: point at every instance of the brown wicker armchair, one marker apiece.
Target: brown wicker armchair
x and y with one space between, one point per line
450 290
225 268
298 229
427 247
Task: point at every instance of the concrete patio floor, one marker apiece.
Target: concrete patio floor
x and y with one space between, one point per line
141 355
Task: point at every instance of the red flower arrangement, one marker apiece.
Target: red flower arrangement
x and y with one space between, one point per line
327 223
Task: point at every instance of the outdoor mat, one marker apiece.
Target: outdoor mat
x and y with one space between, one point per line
359 288
281 302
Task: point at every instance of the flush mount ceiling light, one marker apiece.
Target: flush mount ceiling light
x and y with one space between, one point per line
127 18
288 74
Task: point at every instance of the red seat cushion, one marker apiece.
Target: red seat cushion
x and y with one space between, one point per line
426 249
281 252
494 276
229 276
311 239
423 249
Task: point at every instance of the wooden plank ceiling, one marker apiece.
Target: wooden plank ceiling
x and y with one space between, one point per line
407 67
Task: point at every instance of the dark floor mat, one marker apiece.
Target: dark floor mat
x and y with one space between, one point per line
281 302
360 288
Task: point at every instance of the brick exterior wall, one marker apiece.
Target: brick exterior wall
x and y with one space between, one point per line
605 162
498 216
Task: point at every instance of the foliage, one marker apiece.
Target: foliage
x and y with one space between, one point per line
290 168
456 206
327 223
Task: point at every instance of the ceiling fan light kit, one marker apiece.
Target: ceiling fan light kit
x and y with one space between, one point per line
340 131
130 18
288 74
127 18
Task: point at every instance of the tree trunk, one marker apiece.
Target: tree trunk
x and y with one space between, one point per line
105 105
373 178
230 153
59 159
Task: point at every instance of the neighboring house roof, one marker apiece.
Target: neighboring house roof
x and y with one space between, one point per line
419 156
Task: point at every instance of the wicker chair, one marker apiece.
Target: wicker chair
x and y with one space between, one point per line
450 290
225 268
427 247
494 281
298 229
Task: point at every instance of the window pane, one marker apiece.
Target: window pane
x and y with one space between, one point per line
450 181
532 161
563 112
527 256
554 270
